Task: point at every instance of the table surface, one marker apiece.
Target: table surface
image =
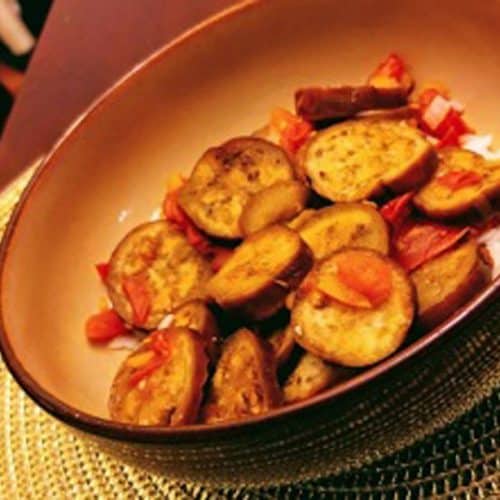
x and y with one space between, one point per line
86 45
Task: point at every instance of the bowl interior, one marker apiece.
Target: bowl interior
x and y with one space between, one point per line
111 172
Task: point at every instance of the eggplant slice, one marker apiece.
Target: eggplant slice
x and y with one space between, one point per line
345 225
316 104
226 177
345 334
244 383
256 279
278 203
448 281
311 376
161 385
359 159
440 200
168 271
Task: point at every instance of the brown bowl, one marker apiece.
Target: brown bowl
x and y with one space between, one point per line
108 173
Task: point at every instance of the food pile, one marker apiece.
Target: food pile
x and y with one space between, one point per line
294 257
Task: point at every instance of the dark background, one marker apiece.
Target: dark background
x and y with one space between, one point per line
34 14
85 46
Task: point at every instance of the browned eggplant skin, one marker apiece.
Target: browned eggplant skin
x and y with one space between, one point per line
187 407
328 103
282 342
276 204
182 254
270 296
225 399
402 113
273 297
212 199
311 376
307 336
196 316
479 277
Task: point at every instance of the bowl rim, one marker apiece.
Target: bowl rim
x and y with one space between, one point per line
158 434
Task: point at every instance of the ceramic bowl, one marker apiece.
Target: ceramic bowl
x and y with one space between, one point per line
109 170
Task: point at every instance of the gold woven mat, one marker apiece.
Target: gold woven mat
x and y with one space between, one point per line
40 458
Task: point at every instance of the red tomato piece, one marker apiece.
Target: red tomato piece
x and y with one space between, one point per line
104 326
439 118
293 130
103 270
457 179
367 275
393 66
137 291
453 120
219 257
172 210
397 211
146 371
160 343
418 242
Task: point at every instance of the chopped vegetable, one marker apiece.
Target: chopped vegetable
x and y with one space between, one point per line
368 275
145 371
331 286
441 118
160 343
220 256
458 179
104 326
137 292
175 214
397 211
418 242
148 361
103 270
138 360
293 130
125 342
481 145
392 72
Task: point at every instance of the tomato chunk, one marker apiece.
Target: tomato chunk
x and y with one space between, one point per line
103 270
293 130
161 350
397 211
146 370
441 118
137 291
220 256
368 275
458 179
104 326
418 242
392 72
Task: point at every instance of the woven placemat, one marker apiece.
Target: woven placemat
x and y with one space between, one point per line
43 459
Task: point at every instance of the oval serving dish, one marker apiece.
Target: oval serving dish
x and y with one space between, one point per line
107 173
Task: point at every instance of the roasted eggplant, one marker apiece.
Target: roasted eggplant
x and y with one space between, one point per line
152 271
